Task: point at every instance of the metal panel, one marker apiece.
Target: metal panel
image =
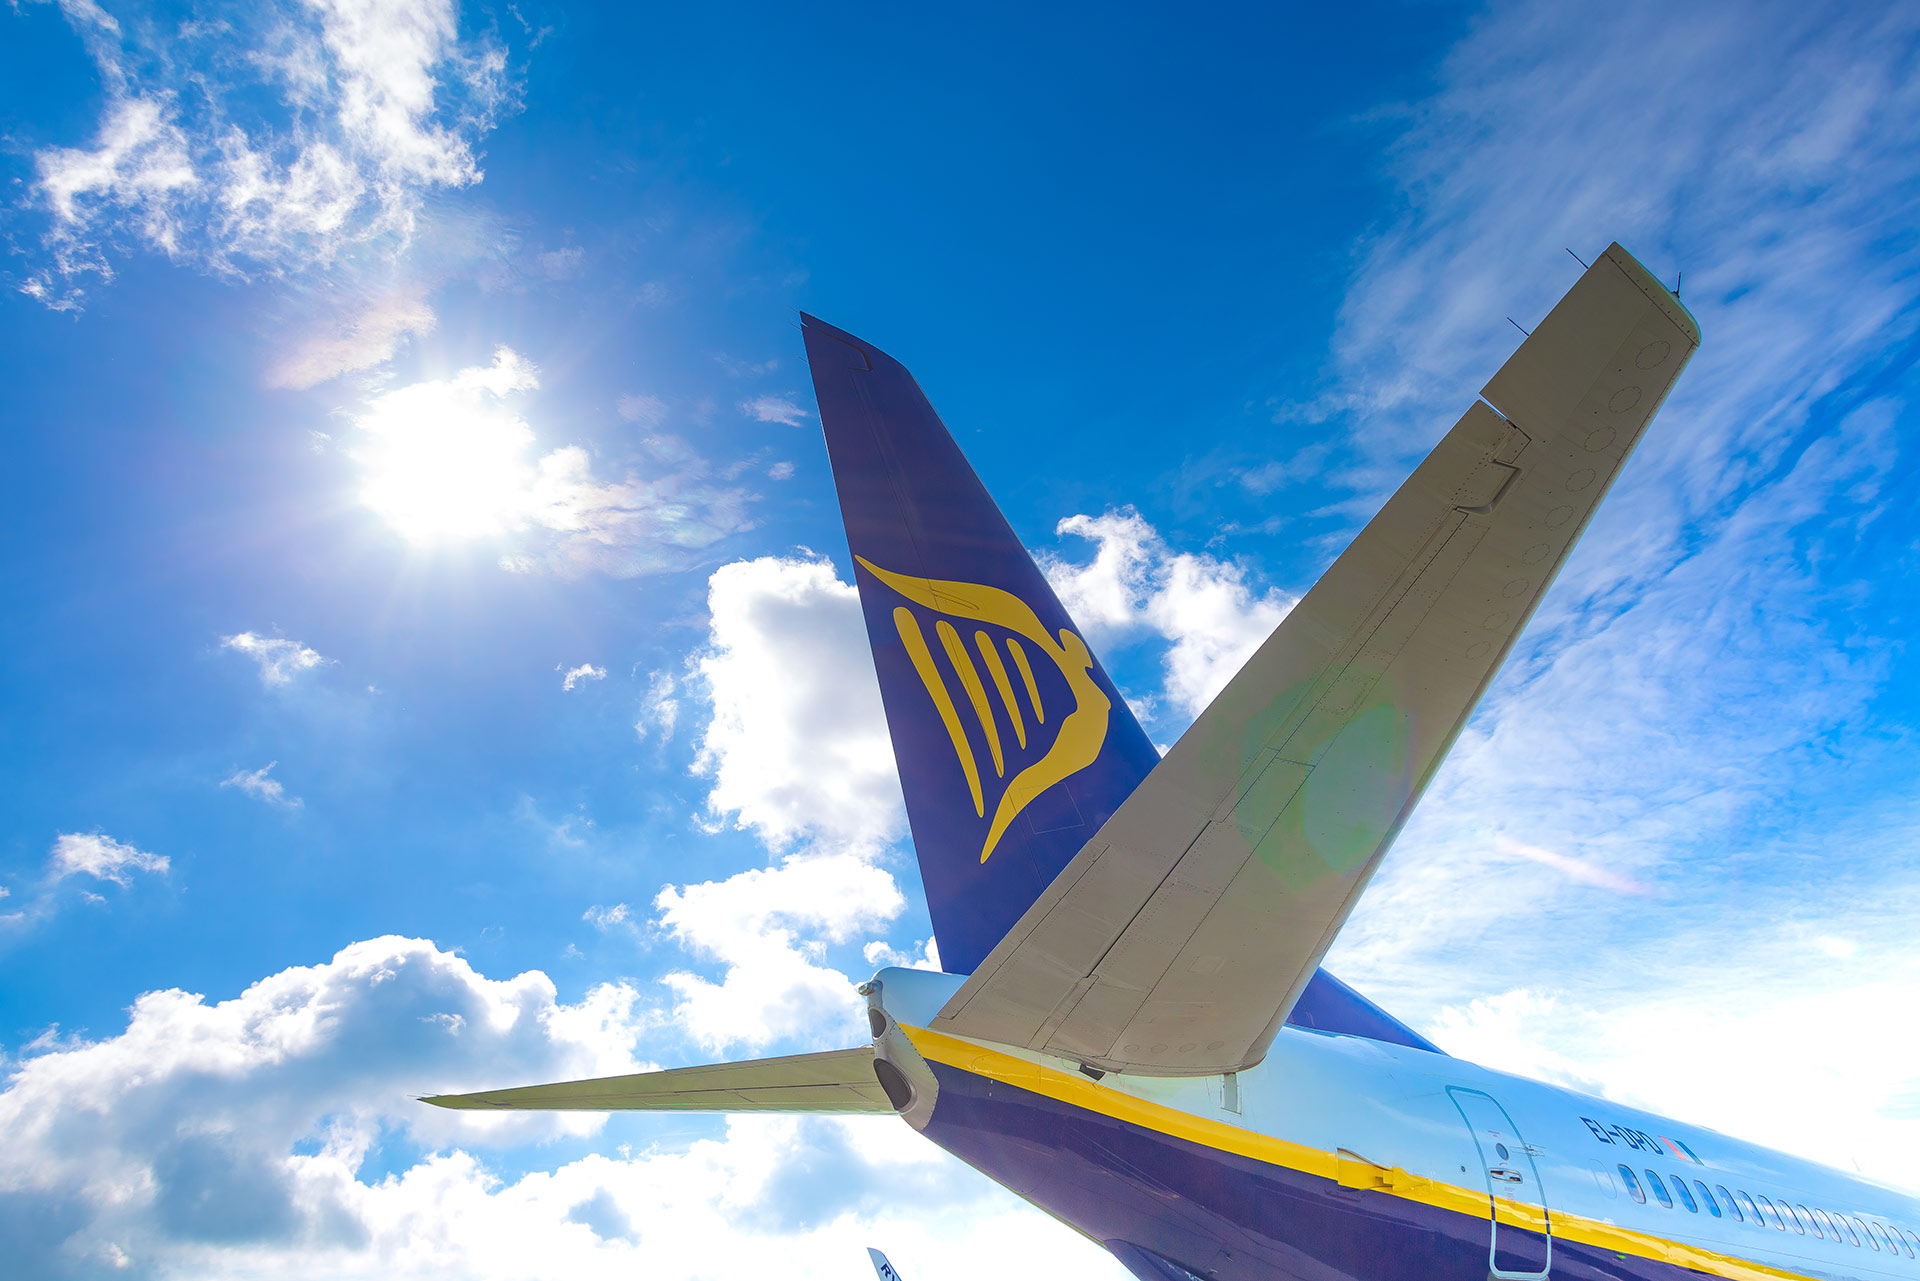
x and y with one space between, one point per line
834 1081
1520 1244
1178 939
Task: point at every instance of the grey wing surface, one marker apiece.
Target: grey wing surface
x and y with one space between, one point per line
834 1081
1180 936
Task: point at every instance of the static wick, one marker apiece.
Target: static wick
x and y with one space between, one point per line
1577 258
1516 325
1678 277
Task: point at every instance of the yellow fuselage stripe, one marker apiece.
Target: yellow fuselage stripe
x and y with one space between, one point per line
1077 1090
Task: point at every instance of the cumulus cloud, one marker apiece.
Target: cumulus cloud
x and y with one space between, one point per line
257 784
765 928
1137 584
774 409
279 659
265 137
797 745
275 1132
452 458
101 857
584 672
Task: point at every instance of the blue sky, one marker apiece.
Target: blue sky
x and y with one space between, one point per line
430 662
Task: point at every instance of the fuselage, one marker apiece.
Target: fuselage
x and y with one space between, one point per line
1344 1157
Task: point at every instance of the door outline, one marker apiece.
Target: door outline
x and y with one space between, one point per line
1492 1167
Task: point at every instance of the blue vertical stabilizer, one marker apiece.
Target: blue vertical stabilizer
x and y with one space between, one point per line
1013 744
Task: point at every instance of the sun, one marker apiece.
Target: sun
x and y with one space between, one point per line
447 460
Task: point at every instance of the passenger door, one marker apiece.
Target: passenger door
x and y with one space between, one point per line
1522 1231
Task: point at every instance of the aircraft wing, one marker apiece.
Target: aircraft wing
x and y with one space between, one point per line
835 1081
1177 939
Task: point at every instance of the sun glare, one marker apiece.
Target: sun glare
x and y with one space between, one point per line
447 460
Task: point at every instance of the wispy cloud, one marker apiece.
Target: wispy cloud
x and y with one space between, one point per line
265 137
660 709
94 856
1674 715
774 409
648 411
584 672
258 784
360 339
278 658
101 857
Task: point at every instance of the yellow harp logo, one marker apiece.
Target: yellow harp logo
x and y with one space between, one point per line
1081 734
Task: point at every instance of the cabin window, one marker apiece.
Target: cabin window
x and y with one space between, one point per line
1753 1211
1686 1197
1733 1206
1865 1232
1706 1197
1659 1189
1803 1221
1774 1217
1821 1221
1906 1243
1633 1185
1852 1236
1874 1228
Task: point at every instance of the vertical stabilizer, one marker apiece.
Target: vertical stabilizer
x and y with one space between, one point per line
1013 745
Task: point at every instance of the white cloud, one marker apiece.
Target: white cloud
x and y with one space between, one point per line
101 857
93 855
774 409
881 954
584 672
1136 583
256 784
280 660
765 927
797 745
659 710
361 339
606 919
451 459
275 1133
1700 706
266 137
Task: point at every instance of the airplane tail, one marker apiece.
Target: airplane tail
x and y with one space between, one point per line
1013 745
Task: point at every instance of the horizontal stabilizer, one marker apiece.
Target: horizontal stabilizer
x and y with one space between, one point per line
834 1081
1177 941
